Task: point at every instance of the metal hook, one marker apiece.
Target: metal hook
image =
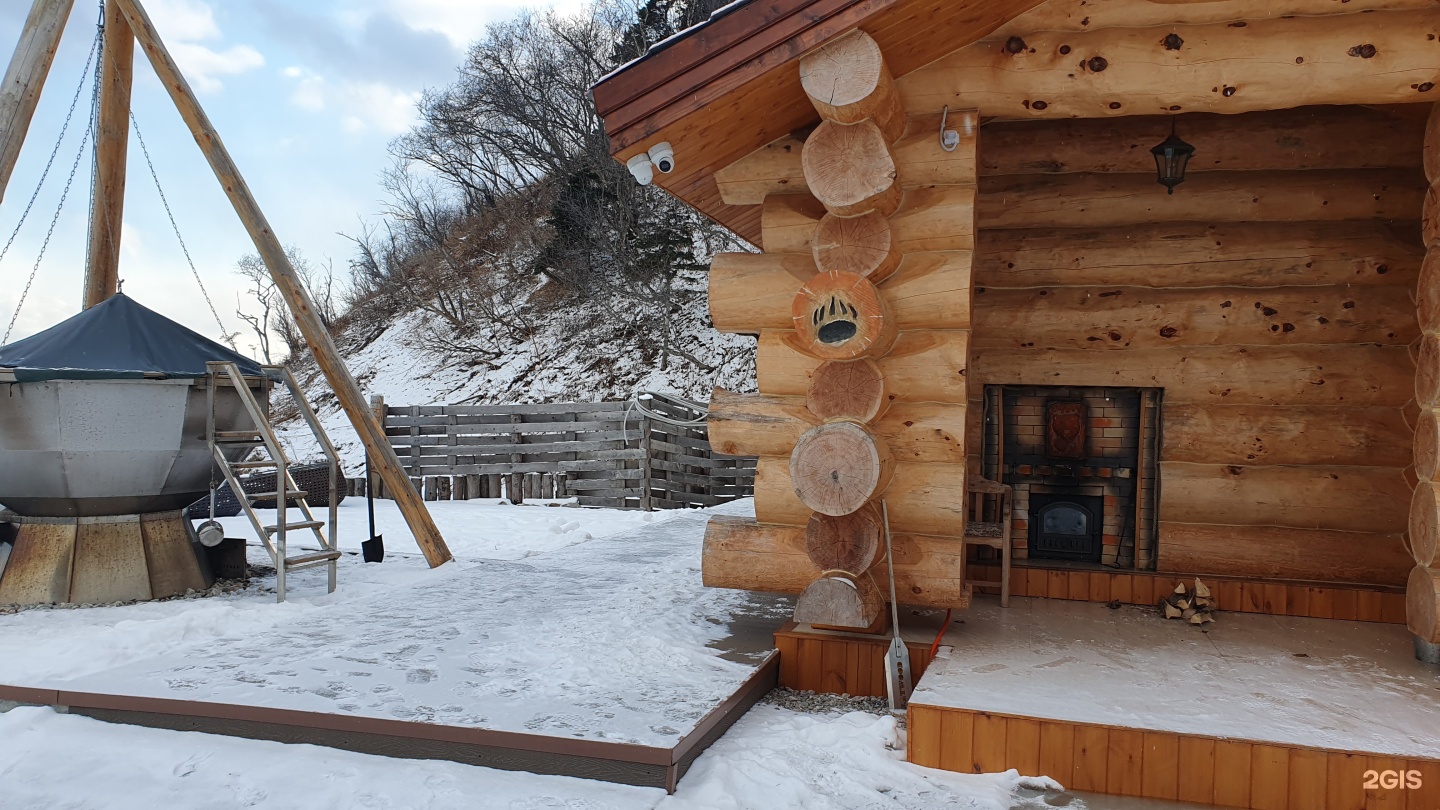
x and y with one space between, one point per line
949 138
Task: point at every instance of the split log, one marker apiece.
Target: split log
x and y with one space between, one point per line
1346 499
1422 604
863 246
838 467
929 498
1427 445
767 425
1096 14
1427 294
849 169
776 168
853 389
742 554
925 366
1267 552
1380 58
849 543
1286 140
1107 200
1267 434
750 292
38 572
1427 372
1231 375
1236 254
1432 145
1424 522
839 600
1124 318
841 316
929 218
848 82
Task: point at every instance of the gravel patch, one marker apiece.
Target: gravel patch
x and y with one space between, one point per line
824 703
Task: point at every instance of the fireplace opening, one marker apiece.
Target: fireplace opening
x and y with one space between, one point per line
1066 527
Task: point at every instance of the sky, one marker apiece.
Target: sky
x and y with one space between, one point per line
306 94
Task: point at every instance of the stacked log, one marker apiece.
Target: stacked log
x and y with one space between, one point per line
859 274
1422 591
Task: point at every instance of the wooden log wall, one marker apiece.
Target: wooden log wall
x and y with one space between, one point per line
601 454
1422 590
1271 303
862 304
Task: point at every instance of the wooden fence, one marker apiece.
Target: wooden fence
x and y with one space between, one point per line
601 453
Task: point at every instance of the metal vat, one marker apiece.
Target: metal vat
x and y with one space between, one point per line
86 448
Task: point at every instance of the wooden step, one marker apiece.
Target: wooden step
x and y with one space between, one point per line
294 494
309 560
238 436
253 465
290 527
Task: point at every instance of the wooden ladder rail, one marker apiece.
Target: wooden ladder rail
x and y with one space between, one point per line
285 485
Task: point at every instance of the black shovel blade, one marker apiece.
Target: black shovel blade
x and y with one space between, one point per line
374 549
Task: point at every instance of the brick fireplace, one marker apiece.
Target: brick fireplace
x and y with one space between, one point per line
1082 464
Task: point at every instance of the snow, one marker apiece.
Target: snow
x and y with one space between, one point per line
1352 686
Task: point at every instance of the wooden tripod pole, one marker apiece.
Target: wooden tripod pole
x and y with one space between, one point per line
290 285
112 143
25 78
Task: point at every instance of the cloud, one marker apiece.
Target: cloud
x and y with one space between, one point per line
185 25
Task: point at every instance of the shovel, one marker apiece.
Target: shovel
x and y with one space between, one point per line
374 548
897 658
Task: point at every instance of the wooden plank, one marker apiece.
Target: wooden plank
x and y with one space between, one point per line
1037 582
1022 745
923 743
1345 781
1232 773
810 653
1344 604
957 738
1057 751
1196 780
1122 588
990 744
109 563
1098 589
1124 775
38 572
1320 603
1297 601
1057 584
1269 777
1308 773
1160 768
1426 795
1092 759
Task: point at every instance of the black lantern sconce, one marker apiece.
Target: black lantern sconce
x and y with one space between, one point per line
1171 158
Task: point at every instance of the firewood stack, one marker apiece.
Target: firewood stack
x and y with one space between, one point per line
1195 605
1422 591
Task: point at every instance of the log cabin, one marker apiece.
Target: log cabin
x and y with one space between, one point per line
991 295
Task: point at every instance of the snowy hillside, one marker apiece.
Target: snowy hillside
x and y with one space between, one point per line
573 356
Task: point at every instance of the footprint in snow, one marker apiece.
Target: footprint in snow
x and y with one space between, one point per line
190 765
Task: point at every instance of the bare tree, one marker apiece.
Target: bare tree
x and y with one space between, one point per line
270 315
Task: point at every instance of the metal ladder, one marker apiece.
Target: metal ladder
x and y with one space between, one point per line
263 438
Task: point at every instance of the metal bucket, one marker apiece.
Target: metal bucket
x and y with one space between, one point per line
86 448
1427 652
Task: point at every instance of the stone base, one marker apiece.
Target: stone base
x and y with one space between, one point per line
99 560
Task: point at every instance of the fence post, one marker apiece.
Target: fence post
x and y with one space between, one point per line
645 468
377 408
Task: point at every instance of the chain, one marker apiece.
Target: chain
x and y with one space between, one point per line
225 336
69 183
74 102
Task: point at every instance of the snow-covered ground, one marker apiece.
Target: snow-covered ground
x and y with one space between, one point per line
533 629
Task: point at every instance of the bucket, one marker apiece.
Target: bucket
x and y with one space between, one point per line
228 559
1427 652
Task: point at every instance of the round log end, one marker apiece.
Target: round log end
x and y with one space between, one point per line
862 245
849 169
844 74
849 543
1424 522
1427 372
1427 294
839 467
1426 447
848 389
1432 145
1422 604
838 600
1429 218
841 316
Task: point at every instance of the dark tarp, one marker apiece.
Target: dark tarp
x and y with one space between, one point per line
116 340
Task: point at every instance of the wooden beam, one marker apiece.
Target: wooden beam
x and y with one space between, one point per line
1384 57
1274 553
1186 254
929 218
25 78
923 498
372 435
926 366
1266 434
112 142
1090 15
1351 499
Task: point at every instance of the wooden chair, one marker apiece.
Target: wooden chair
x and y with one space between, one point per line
988 524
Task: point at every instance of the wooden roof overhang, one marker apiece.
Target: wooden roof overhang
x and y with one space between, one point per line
723 89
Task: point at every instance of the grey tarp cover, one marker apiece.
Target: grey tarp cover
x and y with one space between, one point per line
116 340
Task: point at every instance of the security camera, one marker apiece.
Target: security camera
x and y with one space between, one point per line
641 169
663 157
